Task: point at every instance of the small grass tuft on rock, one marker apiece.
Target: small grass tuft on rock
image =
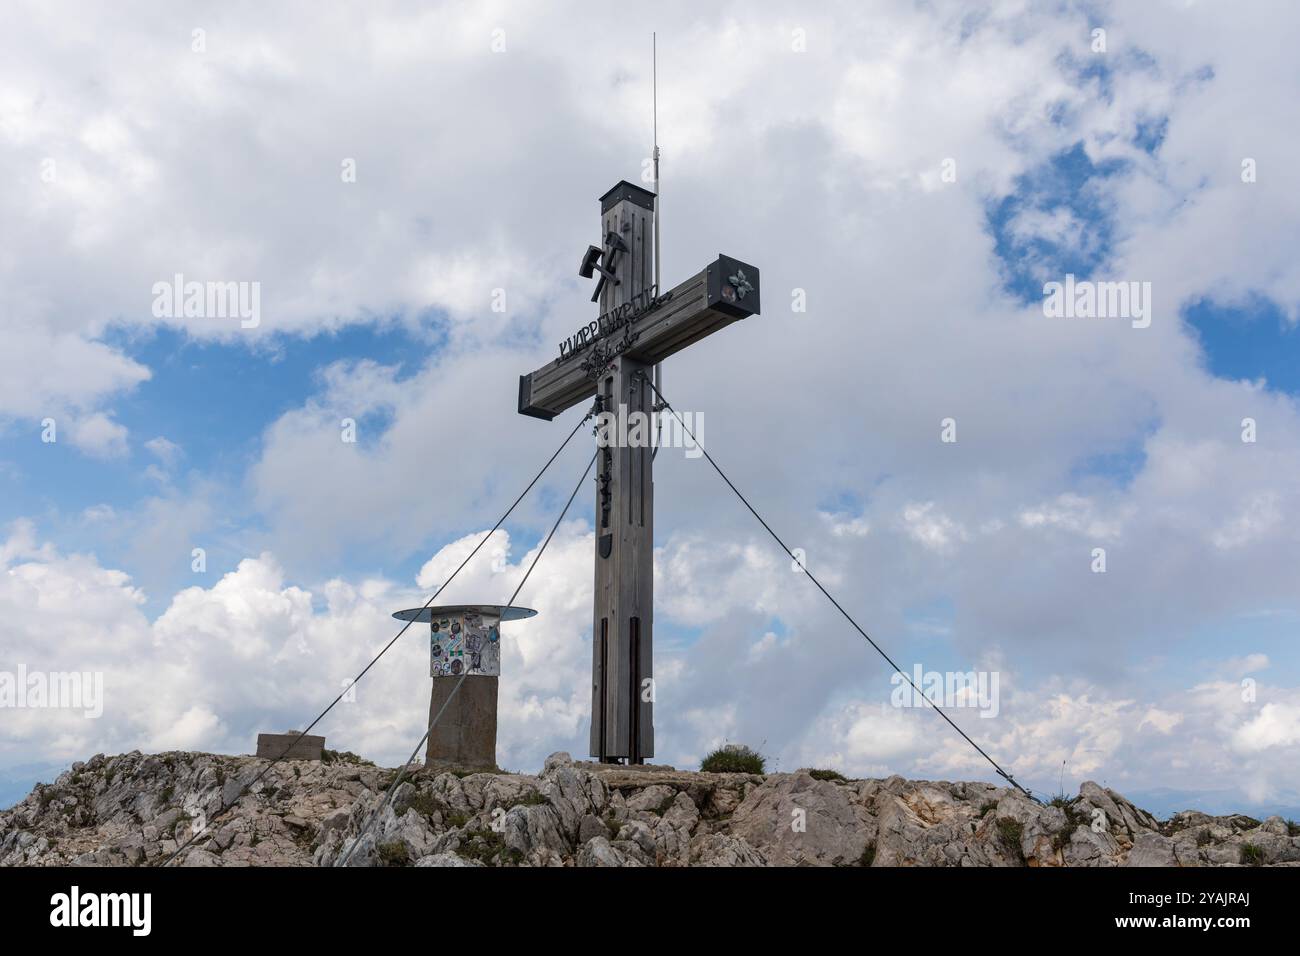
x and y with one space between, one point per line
1251 855
1010 832
424 803
832 775
343 756
393 853
488 848
733 758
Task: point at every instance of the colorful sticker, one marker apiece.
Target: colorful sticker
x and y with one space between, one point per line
467 645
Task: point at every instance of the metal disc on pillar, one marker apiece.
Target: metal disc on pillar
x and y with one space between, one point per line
465 642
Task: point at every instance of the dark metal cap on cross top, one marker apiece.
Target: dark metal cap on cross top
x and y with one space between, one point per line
626 190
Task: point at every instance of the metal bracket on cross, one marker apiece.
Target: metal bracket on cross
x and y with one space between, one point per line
591 262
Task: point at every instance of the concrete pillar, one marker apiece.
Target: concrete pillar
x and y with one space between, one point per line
466 735
464 650
465 642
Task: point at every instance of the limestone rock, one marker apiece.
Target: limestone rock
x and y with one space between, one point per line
600 852
1152 849
445 859
591 827
535 833
797 820
719 849
134 809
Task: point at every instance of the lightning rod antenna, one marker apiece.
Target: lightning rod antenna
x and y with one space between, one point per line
654 94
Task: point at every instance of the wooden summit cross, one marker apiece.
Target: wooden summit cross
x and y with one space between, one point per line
611 358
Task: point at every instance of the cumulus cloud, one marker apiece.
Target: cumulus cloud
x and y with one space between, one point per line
255 653
1277 725
99 436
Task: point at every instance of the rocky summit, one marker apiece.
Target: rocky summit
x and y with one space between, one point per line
136 809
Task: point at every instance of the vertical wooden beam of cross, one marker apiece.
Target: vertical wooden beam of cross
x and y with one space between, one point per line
608 358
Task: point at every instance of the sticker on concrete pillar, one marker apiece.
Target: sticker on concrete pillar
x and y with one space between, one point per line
444 645
467 645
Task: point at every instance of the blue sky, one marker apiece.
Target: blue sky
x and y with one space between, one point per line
1251 340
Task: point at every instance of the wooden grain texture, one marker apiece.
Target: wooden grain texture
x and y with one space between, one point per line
622 723
681 321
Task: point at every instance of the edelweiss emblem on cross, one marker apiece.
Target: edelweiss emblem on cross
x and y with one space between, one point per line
741 283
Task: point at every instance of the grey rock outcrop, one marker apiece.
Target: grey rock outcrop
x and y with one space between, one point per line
135 809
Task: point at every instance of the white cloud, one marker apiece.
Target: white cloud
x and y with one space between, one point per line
255 653
1248 664
1276 725
931 528
165 450
1074 513
98 436
1162 720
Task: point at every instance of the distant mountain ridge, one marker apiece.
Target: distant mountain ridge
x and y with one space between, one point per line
1165 802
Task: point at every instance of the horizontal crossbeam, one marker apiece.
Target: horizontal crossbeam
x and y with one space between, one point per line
721 293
